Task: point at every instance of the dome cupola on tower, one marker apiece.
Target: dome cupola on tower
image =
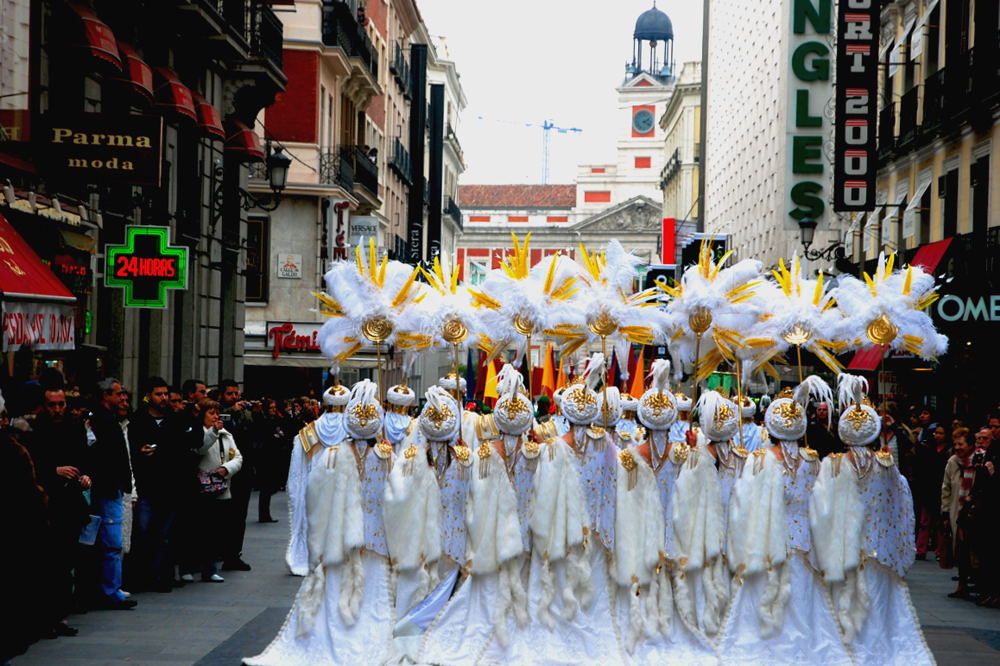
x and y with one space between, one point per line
654 37
653 25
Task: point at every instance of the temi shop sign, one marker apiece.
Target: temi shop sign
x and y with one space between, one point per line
287 337
146 266
809 91
98 148
970 308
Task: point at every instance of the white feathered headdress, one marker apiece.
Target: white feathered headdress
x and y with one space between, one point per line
445 315
364 300
579 401
713 300
859 422
611 306
519 300
795 311
890 309
657 407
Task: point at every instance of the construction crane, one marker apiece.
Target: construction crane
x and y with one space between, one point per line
547 126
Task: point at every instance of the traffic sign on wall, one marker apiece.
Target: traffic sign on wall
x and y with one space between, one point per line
146 266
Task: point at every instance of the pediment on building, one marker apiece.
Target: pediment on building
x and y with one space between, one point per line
636 215
642 80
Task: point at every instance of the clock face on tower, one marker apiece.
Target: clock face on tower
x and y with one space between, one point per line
642 121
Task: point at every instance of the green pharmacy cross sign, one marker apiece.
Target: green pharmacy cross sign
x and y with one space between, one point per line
146 266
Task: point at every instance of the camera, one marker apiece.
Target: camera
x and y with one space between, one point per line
152 447
226 418
978 458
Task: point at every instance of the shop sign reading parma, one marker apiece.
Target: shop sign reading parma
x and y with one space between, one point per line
100 148
146 266
855 163
809 91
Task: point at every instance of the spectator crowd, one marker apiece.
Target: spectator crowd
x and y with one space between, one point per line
951 467
115 493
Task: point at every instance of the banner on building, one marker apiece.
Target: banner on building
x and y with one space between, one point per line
855 159
363 227
41 326
102 148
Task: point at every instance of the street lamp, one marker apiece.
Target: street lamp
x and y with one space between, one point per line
277 164
807 228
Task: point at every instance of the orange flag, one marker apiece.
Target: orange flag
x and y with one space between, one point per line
548 372
561 379
491 381
638 386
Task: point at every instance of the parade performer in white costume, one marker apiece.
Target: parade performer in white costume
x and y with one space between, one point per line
628 430
753 436
491 603
343 612
559 419
719 427
399 400
645 611
324 432
780 605
863 505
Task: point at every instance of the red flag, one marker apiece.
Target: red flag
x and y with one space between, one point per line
638 386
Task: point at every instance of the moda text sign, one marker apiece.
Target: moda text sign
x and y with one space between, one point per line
100 148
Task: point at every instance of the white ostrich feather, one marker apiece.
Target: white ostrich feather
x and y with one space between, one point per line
608 294
541 297
361 291
725 294
794 307
901 297
851 389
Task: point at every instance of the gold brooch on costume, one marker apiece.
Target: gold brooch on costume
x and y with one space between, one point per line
383 449
410 454
857 417
679 452
464 457
631 467
531 449
485 452
232 453
364 412
884 458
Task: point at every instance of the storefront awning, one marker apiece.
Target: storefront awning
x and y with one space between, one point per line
929 256
173 95
866 359
22 273
99 40
243 142
286 360
209 118
138 74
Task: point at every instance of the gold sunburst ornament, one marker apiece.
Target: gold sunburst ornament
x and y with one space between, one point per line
881 331
376 329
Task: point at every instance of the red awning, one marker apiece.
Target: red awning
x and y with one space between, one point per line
137 73
866 359
929 256
98 37
174 95
22 273
209 118
243 142
16 163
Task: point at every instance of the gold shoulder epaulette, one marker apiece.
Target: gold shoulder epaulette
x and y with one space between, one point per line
810 455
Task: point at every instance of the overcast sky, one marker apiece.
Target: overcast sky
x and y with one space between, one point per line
532 60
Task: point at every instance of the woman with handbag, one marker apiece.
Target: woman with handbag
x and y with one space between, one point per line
220 460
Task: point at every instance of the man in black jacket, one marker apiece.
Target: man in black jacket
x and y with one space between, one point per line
112 478
58 447
162 467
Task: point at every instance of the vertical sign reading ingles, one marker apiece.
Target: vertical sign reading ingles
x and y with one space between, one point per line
807 176
855 160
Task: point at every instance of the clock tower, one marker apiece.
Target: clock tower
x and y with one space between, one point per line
642 98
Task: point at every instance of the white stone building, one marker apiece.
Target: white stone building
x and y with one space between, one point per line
751 125
681 125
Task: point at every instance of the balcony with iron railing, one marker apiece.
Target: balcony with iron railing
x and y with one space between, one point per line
400 162
341 28
934 101
400 68
365 169
907 117
266 36
453 211
886 131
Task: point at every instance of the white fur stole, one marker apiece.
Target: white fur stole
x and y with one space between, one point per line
558 524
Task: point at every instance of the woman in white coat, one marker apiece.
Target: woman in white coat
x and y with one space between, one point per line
219 457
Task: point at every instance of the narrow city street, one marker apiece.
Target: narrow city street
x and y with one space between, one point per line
218 624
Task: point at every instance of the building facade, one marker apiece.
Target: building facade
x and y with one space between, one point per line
164 96
364 120
939 156
681 126
753 124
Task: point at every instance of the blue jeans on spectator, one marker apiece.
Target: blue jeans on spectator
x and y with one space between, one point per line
109 546
151 542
